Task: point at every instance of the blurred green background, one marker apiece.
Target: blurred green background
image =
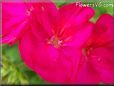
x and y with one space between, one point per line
14 71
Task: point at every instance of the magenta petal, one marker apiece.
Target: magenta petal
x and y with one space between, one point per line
63 69
60 65
81 36
72 15
73 55
15 34
104 29
13 20
72 18
87 74
26 48
102 59
46 14
69 10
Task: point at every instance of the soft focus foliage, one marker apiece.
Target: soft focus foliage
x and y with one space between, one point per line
14 71
11 73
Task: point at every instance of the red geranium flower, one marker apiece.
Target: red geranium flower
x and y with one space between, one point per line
52 46
97 59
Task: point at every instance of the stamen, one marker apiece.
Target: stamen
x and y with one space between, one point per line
55 41
87 51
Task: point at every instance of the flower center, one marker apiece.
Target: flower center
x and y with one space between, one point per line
86 51
55 41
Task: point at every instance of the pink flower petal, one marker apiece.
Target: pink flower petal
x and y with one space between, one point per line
72 16
87 74
13 20
102 59
26 48
81 37
62 68
15 34
46 15
104 29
